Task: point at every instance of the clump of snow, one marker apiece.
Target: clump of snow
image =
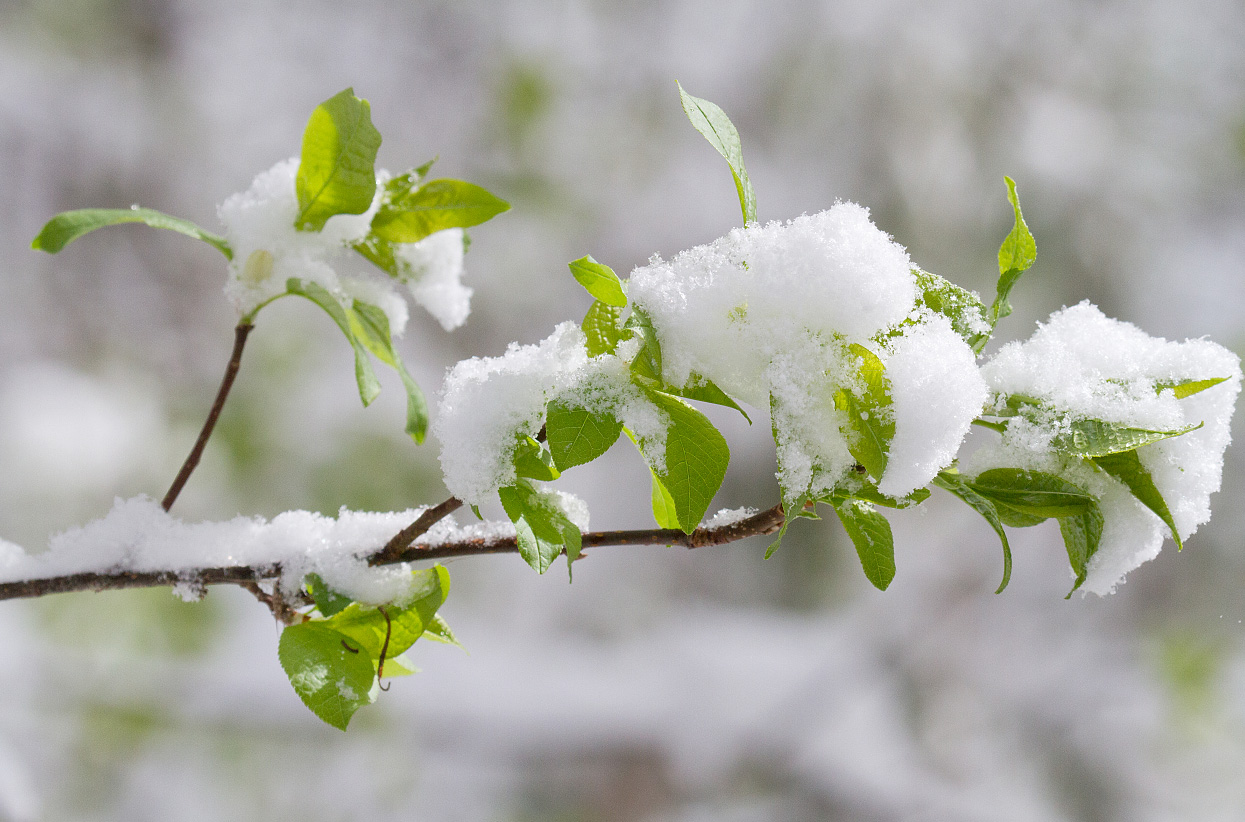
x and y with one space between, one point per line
268 251
1083 365
485 401
435 266
727 517
768 313
937 391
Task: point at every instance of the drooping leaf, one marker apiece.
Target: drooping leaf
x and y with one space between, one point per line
1016 255
1187 388
576 435
1095 438
329 677
871 534
955 484
370 325
439 631
717 128
1128 469
599 280
68 226
868 492
532 461
603 329
543 528
328 601
964 309
368 627
695 459
1032 493
704 390
337 170
369 386
792 511
434 206
664 512
1081 534
869 413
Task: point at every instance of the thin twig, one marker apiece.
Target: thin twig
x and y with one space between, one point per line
765 522
403 539
192 460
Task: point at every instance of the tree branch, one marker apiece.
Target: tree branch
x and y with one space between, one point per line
765 522
192 460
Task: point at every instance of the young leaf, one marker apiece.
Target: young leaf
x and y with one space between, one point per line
365 377
1187 388
1081 535
956 484
664 512
602 329
328 601
871 534
1095 438
791 511
370 325
337 170
68 226
717 128
532 461
332 676
599 280
869 413
439 631
396 629
704 390
1127 468
647 362
695 460
542 526
410 217
868 492
1017 253
576 435
968 315
1033 493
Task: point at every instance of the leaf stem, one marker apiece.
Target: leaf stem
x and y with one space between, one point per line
192 459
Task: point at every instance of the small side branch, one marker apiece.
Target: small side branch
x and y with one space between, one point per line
192 460
402 540
765 522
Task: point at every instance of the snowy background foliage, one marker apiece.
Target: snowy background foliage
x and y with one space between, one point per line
670 685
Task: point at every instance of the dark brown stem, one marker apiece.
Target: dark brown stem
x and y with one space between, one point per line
765 522
403 539
192 460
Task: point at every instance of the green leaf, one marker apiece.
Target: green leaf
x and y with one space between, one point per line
599 280
1017 253
871 534
439 631
370 325
367 627
647 362
337 171
1081 535
956 484
331 679
68 226
365 377
437 205
1033 493
869 413
542 526
1128 469
1187 388
791 510
867 492
602 329
576 435
664 512
703 390
328 601
1095 438
717 128
532 461
695 461
967 314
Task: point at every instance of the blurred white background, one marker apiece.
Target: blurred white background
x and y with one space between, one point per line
664 684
